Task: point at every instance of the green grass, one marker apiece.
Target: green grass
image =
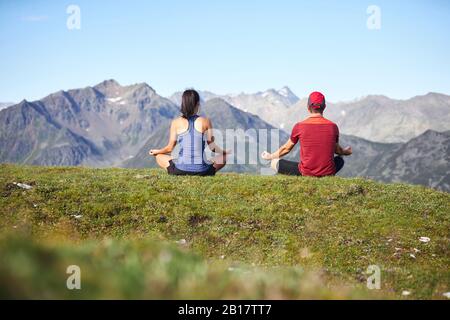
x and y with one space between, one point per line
293 237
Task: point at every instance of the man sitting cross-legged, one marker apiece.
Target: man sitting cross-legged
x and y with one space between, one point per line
319 140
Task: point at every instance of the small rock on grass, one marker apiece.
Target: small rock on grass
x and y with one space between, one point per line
406 293
23 185
424 239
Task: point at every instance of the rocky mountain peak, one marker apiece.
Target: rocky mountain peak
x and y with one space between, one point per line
24 103
289 95
141 90
108 86
109 83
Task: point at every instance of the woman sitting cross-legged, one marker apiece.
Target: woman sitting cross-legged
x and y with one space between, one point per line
191 132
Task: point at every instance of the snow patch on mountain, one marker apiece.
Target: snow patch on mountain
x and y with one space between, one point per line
115 100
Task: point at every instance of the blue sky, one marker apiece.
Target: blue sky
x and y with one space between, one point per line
227 46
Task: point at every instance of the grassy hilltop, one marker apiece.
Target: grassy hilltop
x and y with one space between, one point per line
144 234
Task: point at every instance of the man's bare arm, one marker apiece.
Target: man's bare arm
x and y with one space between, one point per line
284 150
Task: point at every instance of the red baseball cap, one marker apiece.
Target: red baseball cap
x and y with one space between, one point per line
316 100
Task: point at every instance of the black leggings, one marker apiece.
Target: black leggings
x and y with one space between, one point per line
290 168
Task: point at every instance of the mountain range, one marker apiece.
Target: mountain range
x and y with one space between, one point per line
95 126
114 125
375 117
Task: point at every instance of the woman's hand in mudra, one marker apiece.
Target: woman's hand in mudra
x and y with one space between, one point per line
153 152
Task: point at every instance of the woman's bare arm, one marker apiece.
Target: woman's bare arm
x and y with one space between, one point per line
210 138
170 145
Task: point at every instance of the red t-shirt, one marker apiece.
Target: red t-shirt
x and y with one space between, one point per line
318 137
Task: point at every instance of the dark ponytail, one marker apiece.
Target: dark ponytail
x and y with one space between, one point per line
189 103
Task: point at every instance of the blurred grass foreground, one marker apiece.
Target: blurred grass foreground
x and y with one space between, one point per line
140 234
